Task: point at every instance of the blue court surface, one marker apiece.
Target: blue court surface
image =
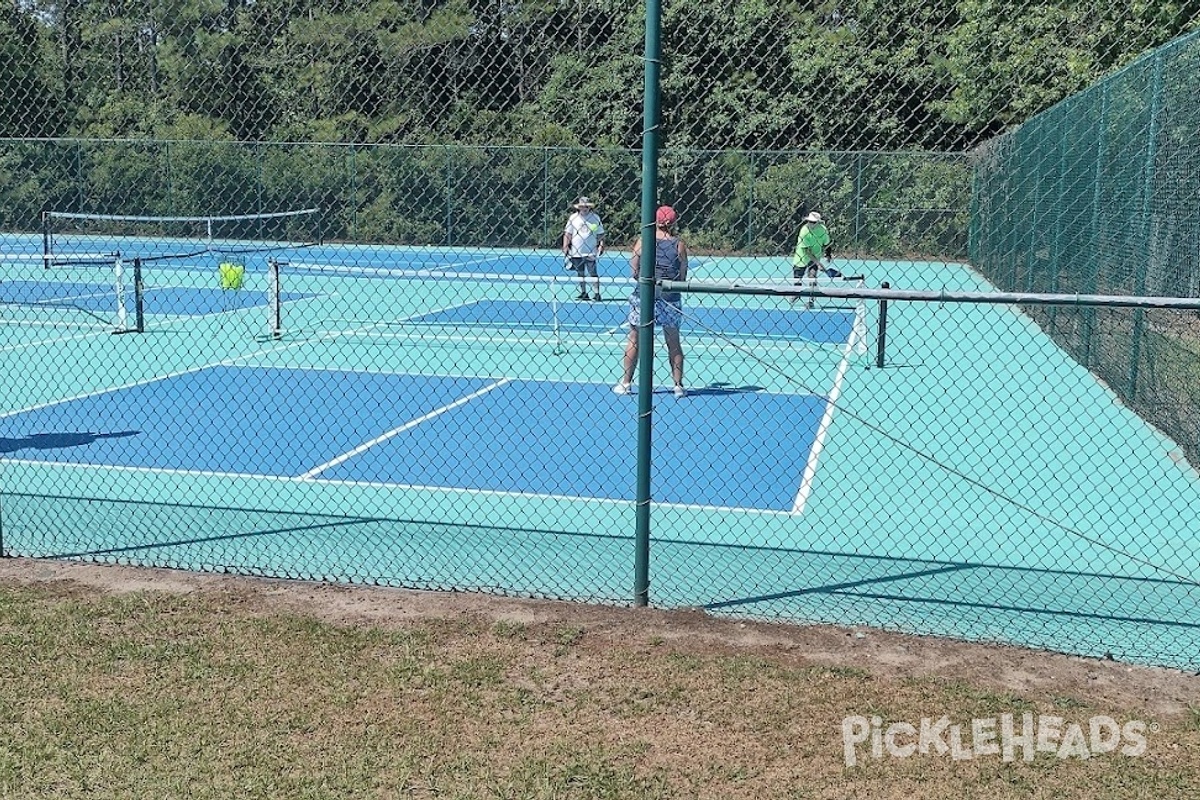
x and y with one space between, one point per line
434 432
444 419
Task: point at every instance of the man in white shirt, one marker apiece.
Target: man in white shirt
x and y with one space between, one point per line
583 243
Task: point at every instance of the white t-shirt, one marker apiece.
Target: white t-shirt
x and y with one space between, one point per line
586 230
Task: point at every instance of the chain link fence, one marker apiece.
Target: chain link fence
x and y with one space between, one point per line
1100 193
331 237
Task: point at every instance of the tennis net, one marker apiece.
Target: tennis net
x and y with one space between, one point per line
347 301
112 292
116 271
72 235
97 291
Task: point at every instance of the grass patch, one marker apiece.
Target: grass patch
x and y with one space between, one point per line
154 695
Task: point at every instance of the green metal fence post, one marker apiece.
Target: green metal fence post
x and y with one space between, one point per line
1091 279
750 202
449 238
858 189
645 334
547 230
1139 315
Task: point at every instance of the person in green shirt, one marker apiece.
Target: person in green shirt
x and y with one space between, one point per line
812 246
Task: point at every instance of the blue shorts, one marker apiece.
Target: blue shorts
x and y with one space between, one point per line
667 314
584 265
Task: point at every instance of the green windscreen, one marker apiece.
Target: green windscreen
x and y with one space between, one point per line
1099 195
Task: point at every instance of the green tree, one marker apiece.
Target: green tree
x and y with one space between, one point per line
30 105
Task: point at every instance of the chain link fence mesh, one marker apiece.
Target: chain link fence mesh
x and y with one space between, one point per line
331 236
1102 191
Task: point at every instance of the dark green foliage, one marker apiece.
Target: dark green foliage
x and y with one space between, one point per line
473 122
863 75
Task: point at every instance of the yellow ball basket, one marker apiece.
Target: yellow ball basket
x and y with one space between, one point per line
233 276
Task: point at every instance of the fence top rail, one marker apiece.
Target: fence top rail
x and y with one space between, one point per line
941 296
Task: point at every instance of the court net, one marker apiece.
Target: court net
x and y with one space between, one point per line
87 291
117 272
72 236
346 302
119 294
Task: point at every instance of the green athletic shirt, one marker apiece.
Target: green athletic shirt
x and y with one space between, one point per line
810 244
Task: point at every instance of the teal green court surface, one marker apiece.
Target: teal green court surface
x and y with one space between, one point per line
446 421
98 300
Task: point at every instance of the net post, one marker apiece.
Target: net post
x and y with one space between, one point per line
139 309
558 348
45 240
274 301
139 296
122 325
881 340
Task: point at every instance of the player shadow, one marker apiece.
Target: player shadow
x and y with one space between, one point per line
715 390
57 441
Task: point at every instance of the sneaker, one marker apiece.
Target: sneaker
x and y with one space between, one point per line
583 296
596 297
680 391
621 388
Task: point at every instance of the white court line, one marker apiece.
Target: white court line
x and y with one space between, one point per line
810 468
228 362
91 334
444 270
411 318
362 448
54 302
450 490
266 351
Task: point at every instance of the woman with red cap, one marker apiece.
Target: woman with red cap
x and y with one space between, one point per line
670 264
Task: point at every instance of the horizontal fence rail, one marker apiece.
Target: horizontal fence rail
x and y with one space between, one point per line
937 296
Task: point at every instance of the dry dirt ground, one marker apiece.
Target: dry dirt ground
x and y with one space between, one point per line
1159 693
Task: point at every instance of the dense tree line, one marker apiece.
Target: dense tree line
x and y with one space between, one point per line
473 121
751 75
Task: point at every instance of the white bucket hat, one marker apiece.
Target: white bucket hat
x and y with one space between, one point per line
813 217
